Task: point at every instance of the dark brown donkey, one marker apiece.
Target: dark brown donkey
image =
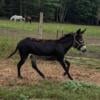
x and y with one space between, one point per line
50 48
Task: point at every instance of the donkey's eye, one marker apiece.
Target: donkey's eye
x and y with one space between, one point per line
81 40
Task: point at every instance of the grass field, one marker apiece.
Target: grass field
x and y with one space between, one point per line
47 90
49 27
11 33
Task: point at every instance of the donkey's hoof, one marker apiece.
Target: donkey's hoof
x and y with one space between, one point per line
43 77
64 73
20 77
71 78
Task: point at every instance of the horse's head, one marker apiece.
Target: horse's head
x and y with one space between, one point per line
78 41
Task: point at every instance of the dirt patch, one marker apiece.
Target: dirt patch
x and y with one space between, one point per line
52 71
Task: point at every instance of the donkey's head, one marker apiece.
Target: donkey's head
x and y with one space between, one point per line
78 41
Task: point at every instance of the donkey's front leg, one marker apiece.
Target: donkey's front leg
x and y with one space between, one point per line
66 69
68 66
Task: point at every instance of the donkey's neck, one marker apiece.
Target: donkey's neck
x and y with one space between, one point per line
67 42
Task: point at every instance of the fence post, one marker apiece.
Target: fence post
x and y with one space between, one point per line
41 25
62 31
57 33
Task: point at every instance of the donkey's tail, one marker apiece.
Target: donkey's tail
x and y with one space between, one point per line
13 53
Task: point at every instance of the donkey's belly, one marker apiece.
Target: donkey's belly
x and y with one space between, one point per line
43 52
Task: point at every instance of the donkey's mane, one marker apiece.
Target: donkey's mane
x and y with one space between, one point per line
65 36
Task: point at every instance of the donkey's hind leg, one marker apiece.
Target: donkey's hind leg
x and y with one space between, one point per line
21 62
33 61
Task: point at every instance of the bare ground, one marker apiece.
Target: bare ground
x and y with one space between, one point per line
52 71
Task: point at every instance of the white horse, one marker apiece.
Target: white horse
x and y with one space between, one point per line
17 18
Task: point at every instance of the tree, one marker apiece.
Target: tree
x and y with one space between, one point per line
75 11
2 3
82 11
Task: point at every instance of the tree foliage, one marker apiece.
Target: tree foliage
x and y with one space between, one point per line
75 11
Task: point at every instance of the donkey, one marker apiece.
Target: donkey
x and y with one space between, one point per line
50 48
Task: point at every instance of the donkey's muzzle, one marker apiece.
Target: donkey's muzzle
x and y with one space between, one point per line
83 49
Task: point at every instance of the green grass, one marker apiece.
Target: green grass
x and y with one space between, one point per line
85 62
70 90
49 27
18 25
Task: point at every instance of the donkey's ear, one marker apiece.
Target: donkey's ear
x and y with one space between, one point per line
83 31
78 31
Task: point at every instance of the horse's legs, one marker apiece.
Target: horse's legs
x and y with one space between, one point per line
15 19
61 61
33 61
21 62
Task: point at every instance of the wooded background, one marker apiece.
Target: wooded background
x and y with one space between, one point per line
71 11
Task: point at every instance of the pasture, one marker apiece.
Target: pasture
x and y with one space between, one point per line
85 69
